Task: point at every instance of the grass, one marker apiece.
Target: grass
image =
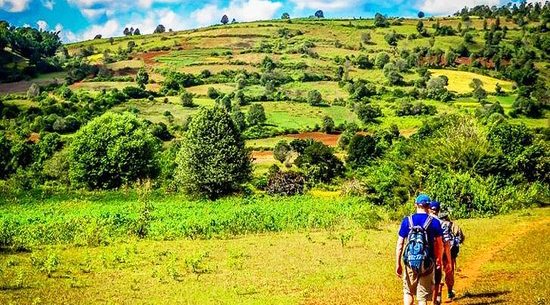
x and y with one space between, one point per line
329 90
347 265
459 81
202 90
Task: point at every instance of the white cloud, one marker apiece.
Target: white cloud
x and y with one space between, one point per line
325 4
43 25
14 6
446 7
48 4
59 27
108 29
241 10
93 13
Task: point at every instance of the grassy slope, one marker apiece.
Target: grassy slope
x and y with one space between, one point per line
343 266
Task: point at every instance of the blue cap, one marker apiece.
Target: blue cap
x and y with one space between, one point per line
435 205
422 199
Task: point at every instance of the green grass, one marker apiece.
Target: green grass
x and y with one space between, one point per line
329 90
346 264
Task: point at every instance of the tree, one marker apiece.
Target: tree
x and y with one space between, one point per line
361 150
366 38
381 60
33 91
285 16
319 163
159 29
478 92
256 115
98 36
421 14
392 74
213 160
281 151
314 98
319 14
368 113
137 32
187 99
111 40
391 39
380 21
238 118
224 19
126 32
142 78
286 183
363 62
328 124
420 27
113 150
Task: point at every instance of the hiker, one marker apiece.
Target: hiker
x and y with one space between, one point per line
421 254
453 233
435 208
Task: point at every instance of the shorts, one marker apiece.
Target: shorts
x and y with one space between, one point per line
418 286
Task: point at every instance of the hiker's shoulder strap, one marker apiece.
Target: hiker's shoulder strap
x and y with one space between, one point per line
410 219
427 222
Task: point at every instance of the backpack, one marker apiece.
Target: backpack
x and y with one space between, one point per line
453 235
416 255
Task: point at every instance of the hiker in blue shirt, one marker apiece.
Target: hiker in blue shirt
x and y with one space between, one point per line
420 245
435 208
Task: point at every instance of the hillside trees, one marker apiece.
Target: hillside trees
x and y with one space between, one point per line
142 78
256 115
380 21
285 16
213 160
319 14
224 19
113 150
159 29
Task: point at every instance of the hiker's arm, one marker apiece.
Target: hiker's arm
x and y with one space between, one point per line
398 253
438 251
448 259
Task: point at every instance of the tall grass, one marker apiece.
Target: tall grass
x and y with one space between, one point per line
102 218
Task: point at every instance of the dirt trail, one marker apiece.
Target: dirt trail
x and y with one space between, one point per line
472 270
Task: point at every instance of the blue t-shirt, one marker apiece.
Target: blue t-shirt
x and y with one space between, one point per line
419 219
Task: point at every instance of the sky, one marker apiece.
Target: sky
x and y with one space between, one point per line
83 19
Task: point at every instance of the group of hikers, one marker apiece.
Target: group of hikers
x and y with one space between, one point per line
427 248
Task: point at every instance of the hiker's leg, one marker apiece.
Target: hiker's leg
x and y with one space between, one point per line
437 281
425 288
410 282
450 276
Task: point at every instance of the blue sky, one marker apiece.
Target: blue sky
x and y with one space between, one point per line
83 19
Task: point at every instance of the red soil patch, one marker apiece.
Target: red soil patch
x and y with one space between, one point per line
149 57
262 156
327 139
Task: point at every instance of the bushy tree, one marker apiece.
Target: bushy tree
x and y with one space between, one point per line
238 118
187 99
142 78
112 150
213 160
421 14
478 92
159 29
319 163
281 151
366 38
256 115
314 98
285 16
380 21
381 60
368 113
361 150
328 124
319 14
224 19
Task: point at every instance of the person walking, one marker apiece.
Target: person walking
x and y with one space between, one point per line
453 233
435 208
421 254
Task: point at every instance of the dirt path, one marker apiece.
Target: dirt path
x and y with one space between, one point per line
472 271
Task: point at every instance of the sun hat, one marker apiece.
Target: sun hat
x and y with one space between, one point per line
422 199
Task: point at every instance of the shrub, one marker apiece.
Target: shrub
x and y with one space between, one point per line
213 160
213 93
381 60
112 150
286 184
328 124
415 109
368 113
314 98
187 99
135 92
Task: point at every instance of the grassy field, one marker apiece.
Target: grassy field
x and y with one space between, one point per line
347 264
459 81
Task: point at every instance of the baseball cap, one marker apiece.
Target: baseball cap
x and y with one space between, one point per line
435 205
422 199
